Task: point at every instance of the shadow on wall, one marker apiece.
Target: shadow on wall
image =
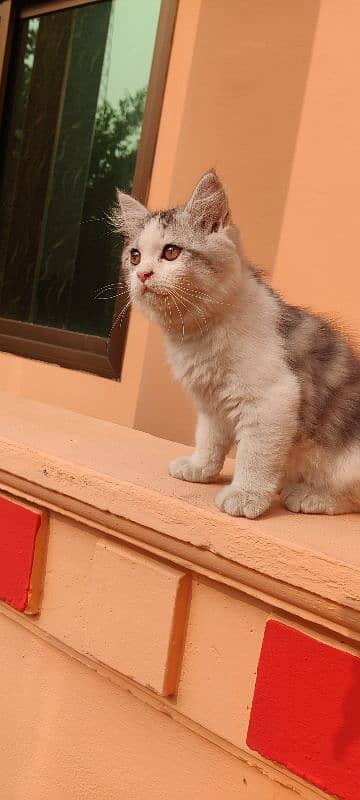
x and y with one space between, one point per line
349 733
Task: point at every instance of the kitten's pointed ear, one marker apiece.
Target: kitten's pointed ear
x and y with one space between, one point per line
128 215
208 204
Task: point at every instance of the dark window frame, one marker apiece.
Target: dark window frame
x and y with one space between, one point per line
102 356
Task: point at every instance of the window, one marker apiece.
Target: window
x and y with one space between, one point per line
80 117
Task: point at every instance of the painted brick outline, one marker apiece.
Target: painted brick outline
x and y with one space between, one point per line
19 527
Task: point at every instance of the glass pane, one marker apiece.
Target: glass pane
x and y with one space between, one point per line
73 122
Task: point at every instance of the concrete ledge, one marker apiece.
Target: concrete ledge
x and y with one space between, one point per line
122 473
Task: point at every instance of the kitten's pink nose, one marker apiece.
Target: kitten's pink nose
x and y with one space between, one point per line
143 276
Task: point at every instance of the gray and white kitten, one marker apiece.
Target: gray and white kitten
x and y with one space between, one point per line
273 379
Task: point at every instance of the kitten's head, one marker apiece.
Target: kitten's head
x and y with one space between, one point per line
181 265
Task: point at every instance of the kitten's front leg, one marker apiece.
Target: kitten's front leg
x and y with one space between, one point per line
213 441
265 434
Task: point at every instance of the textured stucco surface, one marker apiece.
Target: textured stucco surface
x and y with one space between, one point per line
73 734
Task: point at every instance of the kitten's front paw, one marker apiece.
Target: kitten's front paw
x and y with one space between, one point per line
306 499
240 503
185 469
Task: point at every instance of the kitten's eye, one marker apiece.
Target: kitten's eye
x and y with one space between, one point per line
171 252
135 256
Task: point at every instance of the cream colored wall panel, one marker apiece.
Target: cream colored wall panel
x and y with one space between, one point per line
223 644
116 605
137 615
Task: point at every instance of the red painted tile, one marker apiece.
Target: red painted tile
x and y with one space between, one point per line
18 530
306 710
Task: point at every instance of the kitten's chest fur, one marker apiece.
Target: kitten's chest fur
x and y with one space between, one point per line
200 367
236 363
212 371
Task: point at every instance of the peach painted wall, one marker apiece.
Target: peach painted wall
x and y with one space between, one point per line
74 734
317 263
241 115
81 683
282 125
151 624
268 94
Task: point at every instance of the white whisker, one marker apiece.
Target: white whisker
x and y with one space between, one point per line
180 315
202 294
118 317
187 304
110 286
112 296
166 323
